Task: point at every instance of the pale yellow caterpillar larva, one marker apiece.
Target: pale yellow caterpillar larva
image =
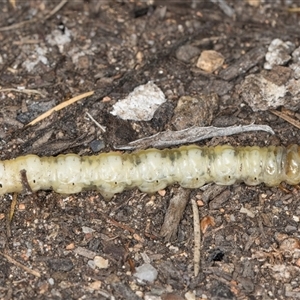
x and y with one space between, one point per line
151 170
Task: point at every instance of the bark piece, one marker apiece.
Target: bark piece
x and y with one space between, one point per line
243 64
174 214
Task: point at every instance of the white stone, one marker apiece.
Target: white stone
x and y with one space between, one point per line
146 273
101 262
141 104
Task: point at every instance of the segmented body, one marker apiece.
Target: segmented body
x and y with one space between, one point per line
151 170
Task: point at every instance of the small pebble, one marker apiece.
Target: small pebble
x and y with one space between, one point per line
190 295
196 110
262 94
101 262
3 241
248 212
96 285
186 52
210 60
71 246
146 273
86 229
91 264
97 145
278 53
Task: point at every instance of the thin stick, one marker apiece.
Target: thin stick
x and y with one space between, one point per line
18 25
35 20
13 207
25 91
197 238
56 9
293 9
13 3
59 107
16 263
117 224
102 128
286 118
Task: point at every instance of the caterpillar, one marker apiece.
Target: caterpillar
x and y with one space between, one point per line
151 170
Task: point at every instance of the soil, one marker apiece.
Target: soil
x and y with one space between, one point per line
250 248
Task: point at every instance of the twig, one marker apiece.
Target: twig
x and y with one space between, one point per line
24 41
293 9
8 228
102 128
59 107
286 118
117 224
35 20
13 3
56 9
16 263
25 91
13 207
18 25
190 135
197 238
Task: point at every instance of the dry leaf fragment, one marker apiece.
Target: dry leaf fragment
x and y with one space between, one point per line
206 222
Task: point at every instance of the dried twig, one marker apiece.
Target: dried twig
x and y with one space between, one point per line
102 128
285 117
190 135
117 224
18 25
293 9
13 206
16 263
35 20
25 91
59 107
13 3
56 9
197 238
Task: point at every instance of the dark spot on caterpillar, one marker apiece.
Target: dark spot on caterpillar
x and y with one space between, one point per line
172 156
178 154
137 159
33 180
164 153
0 185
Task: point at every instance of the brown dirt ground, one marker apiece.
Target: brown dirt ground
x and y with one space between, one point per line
114 47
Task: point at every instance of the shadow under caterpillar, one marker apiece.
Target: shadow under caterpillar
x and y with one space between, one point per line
151 170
